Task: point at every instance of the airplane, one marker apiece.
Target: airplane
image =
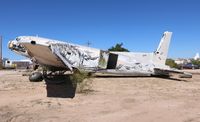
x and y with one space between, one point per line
57 57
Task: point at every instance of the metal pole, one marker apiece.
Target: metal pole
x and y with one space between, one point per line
88 43
1 63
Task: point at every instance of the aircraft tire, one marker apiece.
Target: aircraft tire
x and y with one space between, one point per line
36 77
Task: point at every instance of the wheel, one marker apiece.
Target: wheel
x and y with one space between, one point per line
36 77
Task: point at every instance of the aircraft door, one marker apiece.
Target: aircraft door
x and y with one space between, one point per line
112 61
107 60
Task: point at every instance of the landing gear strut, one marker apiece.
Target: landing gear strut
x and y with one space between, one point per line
56 77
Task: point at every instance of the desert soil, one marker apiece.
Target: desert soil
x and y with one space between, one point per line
130 99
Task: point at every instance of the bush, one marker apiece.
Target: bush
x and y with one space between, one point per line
82 81
171 63
196 62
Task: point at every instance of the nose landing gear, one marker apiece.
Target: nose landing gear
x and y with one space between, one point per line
36 77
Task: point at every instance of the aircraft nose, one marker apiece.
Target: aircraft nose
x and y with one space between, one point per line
10 44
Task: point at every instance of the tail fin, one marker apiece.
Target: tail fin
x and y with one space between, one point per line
160 55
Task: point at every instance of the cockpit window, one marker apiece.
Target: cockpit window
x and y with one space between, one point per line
17 38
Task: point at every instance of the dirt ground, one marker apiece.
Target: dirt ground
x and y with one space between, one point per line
136 99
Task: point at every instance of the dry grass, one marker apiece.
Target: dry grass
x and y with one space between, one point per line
82 81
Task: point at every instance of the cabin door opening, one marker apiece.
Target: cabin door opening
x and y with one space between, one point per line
112 61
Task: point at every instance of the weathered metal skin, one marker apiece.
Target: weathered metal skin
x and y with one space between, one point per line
75 56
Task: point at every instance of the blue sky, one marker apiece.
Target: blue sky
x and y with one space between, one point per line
139 24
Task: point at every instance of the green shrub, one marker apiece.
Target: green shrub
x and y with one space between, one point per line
171 63
82 81
196 62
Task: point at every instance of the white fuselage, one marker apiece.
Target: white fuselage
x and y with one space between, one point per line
59 54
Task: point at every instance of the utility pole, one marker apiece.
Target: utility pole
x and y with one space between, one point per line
1 63
88 43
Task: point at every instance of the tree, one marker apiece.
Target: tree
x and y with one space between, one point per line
118 47
195 62
171 63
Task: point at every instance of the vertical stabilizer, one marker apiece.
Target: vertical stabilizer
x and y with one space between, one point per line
160 55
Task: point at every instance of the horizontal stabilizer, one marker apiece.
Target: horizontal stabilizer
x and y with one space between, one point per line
159 71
